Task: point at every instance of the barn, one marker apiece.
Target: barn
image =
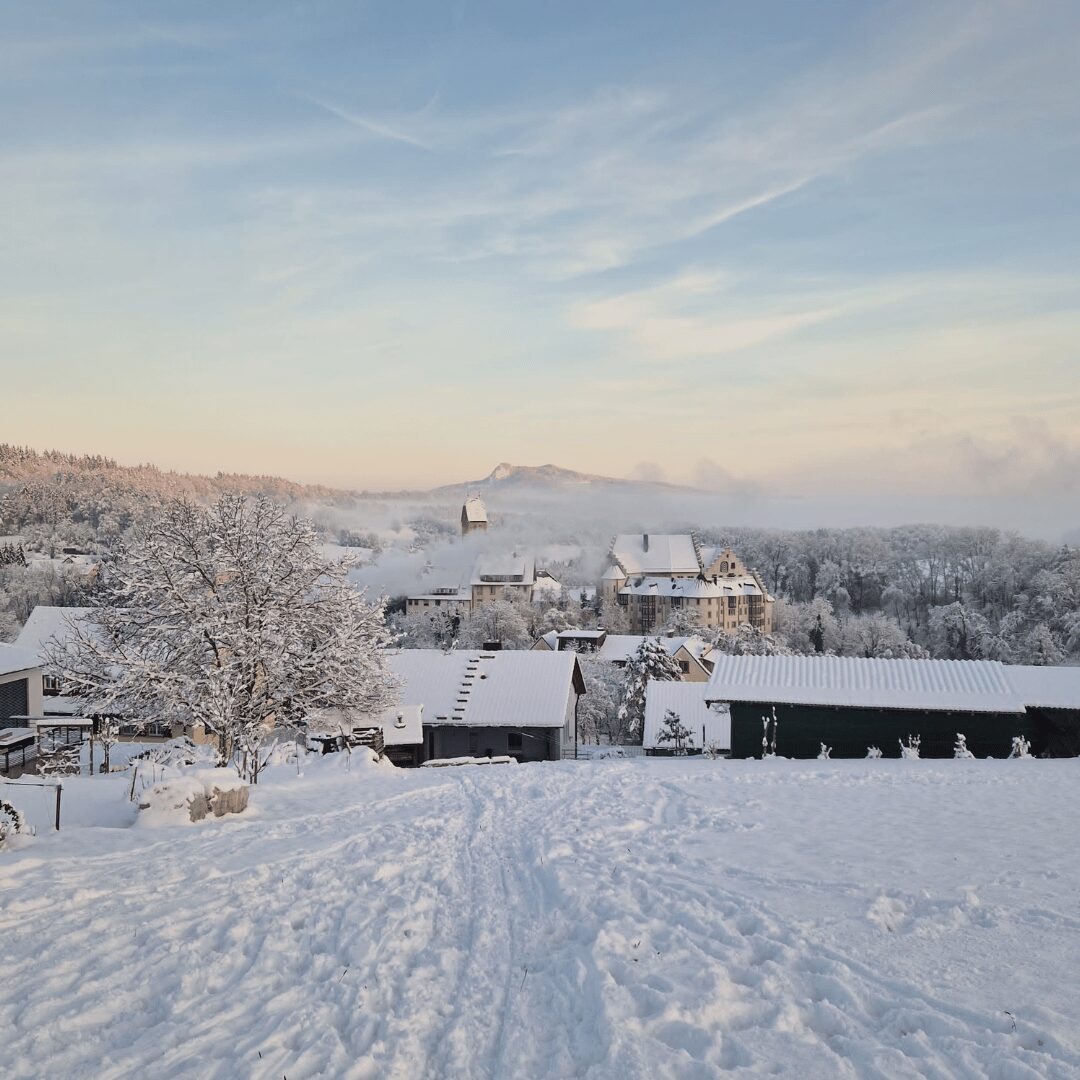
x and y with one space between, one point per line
852 703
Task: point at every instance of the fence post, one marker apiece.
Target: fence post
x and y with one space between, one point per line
59 787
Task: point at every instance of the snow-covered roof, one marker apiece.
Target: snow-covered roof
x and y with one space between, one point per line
14 659
504 569
474 509
46 622
510 688
855 681
1046 687
663 553
687 701
620 647
692 587
459 596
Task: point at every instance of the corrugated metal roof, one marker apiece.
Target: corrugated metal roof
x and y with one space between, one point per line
1046 687
687 701
13 659
934 685
512 688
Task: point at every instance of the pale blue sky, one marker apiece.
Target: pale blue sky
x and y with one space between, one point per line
824 246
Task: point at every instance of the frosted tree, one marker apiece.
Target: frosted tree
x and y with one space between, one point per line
682 622
228 618
672 730
503 620
613 617
873 753
749 641
429 628
825 753
650 661
1041 648
770 725
598 707
960 750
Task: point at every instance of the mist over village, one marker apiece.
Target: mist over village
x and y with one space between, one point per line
539 541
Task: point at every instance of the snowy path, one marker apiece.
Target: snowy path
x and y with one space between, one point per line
639 919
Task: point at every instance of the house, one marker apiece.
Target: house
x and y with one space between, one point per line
691 652
709 727
481 704
492 578
852 703
401 727
654 575
20 686
473 516
45 623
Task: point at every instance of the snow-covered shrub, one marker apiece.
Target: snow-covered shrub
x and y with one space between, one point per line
674 731
910 749
1021 747
768 745
713 750
873 752
825 753
960 750
11 821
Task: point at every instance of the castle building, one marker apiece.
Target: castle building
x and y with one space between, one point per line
654 575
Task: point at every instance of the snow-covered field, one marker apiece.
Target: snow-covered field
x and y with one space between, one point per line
646 918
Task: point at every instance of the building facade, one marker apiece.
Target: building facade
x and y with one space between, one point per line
653 576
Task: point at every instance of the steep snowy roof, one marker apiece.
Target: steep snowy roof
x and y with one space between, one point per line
512 688
474 509
692 587
933 685
1046 687
46 622
13 659
687 701
508 569
663 553
620 647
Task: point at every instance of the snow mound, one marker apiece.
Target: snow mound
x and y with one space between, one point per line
192 797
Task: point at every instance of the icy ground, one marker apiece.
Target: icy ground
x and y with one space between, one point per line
612 919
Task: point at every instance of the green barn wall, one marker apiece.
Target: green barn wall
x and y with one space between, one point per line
849 731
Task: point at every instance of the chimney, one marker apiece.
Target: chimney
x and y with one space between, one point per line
645 541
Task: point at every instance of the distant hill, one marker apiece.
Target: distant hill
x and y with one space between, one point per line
550 478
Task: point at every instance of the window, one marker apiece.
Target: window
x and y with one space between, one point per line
513 741
684 666
50 684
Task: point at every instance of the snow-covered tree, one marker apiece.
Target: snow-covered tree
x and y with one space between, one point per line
613 617
682 622
649 661
875 635
429 628
228 617
748 641
873 753
960 750
598 707
672 730
1041 648
503 620
825 753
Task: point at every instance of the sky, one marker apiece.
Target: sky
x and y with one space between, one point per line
823 251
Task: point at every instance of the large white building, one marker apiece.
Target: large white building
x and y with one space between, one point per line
653 575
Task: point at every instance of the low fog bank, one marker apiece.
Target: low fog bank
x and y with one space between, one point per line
413 542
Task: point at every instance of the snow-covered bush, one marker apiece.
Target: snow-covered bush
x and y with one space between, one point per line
11 821
873 753
768 745
1021 747
825 753
910 749
960 750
